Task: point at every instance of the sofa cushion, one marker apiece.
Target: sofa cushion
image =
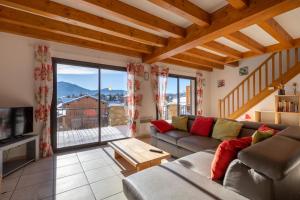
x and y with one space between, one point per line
274 157
226 152
202 126
172 136
180 123
259 136
291 132
226 129
199 162
154 184
198 143
162 126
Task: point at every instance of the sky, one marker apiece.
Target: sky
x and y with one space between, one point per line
116 80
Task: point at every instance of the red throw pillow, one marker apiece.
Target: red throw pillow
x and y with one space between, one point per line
202 126
162 126
265 128
225 153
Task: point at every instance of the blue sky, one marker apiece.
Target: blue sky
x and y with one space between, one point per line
88 78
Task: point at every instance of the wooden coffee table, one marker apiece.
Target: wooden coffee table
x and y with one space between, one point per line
137 153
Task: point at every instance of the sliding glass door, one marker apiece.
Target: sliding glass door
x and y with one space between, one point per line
180 97
90 104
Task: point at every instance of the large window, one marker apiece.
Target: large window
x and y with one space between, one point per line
180 98
90 104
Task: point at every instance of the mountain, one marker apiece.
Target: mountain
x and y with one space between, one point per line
65 89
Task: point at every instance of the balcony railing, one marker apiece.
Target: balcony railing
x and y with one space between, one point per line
171 110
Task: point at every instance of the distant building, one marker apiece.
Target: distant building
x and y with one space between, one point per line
81 113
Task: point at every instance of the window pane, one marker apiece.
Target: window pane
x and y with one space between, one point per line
185 97
77 105
171 105
113 108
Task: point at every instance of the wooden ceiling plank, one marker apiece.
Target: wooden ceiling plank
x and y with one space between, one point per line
223 49
27 19
238 4
198 53
277 32
223 22
137 16
70 15
193 60
246 41
184 64
185 9
45 35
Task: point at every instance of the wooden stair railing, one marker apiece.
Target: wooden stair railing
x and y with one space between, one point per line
277 69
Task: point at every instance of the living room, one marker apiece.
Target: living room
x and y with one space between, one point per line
152 99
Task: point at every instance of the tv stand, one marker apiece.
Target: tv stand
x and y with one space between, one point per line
32 153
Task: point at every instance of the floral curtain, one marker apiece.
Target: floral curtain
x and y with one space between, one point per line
43 89
159 79
200 87
135 75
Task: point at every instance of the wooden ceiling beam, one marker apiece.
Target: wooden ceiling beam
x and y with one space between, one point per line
204 55
46 35
223 49
197 61
137 16
185 64
73 16
30 20
185 9
246 41
238 4
223 22
277 32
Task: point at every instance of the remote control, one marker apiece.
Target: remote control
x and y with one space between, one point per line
156 151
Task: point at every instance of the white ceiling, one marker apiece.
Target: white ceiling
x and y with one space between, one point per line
289 21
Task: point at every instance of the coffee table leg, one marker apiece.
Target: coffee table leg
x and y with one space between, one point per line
117 155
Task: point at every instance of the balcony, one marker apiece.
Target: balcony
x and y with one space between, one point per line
77 126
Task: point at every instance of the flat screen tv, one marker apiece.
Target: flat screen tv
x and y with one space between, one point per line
15 122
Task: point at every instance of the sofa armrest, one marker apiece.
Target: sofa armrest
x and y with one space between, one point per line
273 157
246 181
153 131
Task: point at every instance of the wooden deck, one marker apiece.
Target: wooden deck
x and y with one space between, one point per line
85 136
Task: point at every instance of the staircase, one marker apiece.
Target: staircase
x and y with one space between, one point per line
278 68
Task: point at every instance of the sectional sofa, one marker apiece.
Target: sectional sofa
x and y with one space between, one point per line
267 170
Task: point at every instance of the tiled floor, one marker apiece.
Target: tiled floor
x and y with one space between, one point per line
83 175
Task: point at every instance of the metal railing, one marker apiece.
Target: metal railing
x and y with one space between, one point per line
171 110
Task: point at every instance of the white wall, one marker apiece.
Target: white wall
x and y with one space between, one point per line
16 70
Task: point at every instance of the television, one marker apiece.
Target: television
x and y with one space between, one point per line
15 122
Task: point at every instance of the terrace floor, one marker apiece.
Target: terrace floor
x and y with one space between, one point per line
85 136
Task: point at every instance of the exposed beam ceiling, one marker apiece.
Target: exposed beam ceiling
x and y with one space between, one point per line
29 20
277 32
70 15
137 16
223 22
45 35
220 48
238 4
182 63
185 9
194 60
246 41
205 56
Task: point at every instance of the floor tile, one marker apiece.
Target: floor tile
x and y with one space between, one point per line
107 187
93 164
66 161
15 174
119 196
99 174
33 179
70 182
8 184
68 170
39 166
38 191
91 156
81 193
5 195
64 155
